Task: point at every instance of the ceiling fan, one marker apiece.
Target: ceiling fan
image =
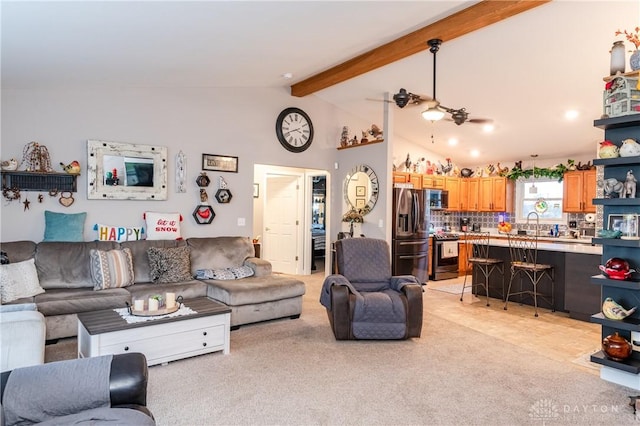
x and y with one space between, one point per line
435 111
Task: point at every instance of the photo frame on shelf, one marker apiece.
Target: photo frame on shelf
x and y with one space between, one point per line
627 224
220 163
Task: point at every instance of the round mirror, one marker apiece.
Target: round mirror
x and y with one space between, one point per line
361 188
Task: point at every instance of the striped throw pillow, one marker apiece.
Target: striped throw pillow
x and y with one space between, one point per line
111 269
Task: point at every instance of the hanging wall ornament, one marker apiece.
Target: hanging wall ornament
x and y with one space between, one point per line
203 180
26 203
40 198
66 200
223 195
204 214
11 194
181 173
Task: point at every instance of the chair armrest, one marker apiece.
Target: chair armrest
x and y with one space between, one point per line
413 293
340 313
128 380
399 281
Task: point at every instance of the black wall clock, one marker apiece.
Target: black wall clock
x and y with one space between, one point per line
294 129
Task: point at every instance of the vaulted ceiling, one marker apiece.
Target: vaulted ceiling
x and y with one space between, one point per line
523 71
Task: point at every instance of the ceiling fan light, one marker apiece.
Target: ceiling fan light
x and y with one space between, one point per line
432 114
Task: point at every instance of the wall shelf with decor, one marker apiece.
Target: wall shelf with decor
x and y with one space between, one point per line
624 292
37 181
360 144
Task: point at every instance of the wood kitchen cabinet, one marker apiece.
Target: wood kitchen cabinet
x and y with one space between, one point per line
400 177
452 186
406 177
433 182
579 191
495 194
463 265
469 194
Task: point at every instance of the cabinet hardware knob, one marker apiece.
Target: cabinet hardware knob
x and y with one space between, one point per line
126 348
204 333
204 344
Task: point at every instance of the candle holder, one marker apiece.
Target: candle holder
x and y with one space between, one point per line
164 310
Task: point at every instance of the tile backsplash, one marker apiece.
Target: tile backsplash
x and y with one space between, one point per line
442 219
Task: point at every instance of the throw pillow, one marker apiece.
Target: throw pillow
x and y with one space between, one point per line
169 265
111 269
163 226
118 233
224 274
19 280
63 226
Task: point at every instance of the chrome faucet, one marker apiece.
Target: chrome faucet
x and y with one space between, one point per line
537 221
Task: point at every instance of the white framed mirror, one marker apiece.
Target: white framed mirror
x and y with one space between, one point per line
361 188
123 171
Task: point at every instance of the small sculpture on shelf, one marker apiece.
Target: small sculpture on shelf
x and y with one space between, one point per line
37 158
364 138
73 168
613 310
9 165
616 347
630 186
608 150
344 138
629 148
376 132
610 187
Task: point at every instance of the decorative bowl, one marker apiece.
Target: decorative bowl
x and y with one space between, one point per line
616 274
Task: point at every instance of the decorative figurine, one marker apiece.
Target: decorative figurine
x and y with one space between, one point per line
502 171
9 165
612 310
608 150
376 132
344 138
36 157
610 187
629 186
364 137
73 168
629 148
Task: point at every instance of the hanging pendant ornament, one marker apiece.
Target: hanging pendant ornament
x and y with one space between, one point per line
53 192
66 200
223 195
181 173
11 193
40 198
26 203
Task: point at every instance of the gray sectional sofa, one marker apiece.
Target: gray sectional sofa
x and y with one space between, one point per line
64 272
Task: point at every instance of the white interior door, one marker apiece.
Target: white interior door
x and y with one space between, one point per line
281 223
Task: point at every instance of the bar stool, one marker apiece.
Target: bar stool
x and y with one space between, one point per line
524 263
477 248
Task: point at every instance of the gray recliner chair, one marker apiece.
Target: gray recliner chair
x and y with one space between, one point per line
364 301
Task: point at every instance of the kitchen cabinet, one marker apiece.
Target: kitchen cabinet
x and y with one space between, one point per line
579 191
430 258
495 194
406 177
463 265
433 182
624 292
400 177
452 186
469 194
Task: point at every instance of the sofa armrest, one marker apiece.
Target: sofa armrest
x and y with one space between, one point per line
340 313
261 267
128 380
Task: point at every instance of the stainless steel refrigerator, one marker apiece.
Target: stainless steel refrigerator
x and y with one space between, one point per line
410 238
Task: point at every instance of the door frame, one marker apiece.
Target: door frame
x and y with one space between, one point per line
304 208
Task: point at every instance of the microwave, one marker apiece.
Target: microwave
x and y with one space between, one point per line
438 199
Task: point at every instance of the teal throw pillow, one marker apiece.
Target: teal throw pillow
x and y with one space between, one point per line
63 226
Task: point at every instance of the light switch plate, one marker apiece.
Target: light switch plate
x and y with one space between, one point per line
241 221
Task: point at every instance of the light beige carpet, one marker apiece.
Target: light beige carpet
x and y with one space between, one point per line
293 372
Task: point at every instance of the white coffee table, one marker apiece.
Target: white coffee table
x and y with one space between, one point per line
160 340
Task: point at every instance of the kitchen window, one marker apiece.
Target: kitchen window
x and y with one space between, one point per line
542 196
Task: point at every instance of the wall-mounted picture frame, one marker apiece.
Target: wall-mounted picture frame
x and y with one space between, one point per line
220 163
256 190
204 214
627 224
125 171
360 203
361 191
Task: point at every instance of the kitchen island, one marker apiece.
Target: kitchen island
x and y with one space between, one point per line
574 264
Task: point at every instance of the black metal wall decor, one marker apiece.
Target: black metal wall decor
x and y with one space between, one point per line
204 214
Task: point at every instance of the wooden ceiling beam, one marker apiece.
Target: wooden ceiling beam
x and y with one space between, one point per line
473 18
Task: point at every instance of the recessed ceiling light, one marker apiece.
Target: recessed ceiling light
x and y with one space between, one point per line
475 153
453 141
571 114
488 128
287 75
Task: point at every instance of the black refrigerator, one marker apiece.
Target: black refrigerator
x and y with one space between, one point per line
410 238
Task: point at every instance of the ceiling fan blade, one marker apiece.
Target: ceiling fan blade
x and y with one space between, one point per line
380 100
480 120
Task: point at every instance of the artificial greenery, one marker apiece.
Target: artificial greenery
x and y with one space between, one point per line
555 172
